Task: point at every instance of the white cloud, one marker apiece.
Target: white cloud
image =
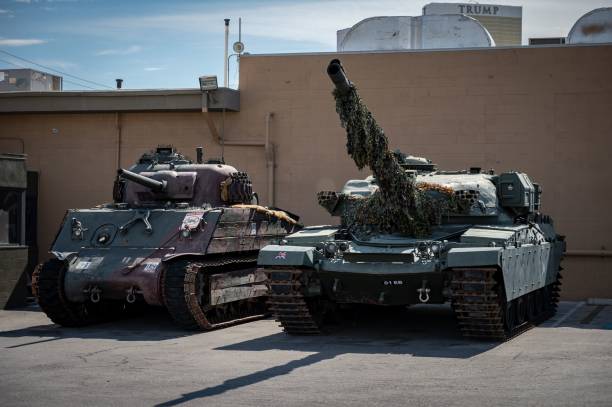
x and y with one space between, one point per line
20 42
120 51
315 21
154 68
2 11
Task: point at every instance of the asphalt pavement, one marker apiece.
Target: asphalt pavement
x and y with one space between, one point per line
415 358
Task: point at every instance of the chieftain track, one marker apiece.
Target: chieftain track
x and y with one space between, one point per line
478 301
481 309
185 285
298 315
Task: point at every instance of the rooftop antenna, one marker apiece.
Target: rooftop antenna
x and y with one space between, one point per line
238 48
227 21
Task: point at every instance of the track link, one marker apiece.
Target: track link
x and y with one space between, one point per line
182 295
297 314
481 309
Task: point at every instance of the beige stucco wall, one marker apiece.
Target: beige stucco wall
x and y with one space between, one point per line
544 111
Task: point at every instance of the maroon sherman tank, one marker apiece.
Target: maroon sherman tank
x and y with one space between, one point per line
179 234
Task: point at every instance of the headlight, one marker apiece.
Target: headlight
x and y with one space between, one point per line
330 249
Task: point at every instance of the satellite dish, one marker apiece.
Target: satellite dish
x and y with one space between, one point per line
238 47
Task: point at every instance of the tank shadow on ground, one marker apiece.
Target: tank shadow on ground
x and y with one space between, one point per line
423 331
154 324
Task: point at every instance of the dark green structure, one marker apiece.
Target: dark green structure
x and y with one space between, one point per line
13 249
413 234
179 234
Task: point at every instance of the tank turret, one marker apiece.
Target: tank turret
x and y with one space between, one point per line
165 176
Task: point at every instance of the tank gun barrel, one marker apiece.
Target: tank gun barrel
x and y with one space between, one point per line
338 76
397 205
154 185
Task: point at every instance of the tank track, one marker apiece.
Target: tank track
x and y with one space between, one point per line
48 288
297 314
181 292
482 312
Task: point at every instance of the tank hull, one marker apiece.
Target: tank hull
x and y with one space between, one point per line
518 267
122 256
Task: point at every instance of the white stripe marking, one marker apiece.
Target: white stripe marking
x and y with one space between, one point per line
568 314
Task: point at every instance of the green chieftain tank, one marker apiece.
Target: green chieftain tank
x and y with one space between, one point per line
412 234
179 234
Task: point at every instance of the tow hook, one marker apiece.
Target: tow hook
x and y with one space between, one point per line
131 295
94 294
423 292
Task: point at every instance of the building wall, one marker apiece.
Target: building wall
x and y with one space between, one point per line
544 111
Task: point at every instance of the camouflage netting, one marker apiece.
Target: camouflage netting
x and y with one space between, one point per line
399 205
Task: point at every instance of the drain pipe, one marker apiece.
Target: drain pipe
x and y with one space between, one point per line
269 151
118 129
266 144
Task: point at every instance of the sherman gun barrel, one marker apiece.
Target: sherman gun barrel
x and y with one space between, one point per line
154 185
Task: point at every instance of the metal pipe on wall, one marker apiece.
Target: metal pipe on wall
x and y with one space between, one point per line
118 129
270 163
268 151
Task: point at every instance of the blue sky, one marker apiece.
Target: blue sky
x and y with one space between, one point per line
168 44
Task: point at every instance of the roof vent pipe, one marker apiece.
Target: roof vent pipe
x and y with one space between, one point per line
119 83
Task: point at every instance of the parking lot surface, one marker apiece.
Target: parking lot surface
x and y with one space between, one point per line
415 358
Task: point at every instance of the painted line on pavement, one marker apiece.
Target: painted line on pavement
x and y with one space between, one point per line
568 314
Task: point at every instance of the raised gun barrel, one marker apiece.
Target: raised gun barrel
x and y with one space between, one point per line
338 76
154 185
398 205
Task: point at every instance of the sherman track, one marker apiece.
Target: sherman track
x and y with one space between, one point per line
48 288
479 303
185 291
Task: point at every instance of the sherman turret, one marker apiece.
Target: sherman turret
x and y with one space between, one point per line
179 234
412 234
